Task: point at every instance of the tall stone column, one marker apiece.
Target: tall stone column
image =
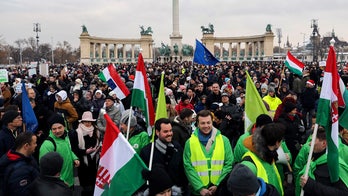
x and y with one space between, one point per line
175 18
175 37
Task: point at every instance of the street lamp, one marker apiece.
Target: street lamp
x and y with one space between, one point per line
37 29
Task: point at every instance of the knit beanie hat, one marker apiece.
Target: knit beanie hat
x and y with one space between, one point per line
110 97
242 181
56 118
9 116
264 86
51 163
271 89
158 178
125 117
263 119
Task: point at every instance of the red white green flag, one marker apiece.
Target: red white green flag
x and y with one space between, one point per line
293 64
120 167
141 94
327 115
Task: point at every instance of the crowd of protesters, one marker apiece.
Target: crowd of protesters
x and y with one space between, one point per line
204 104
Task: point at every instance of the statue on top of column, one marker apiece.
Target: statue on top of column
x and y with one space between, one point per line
269 28
84 29
209 29
148 31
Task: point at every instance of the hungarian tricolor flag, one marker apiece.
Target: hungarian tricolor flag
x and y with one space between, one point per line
111 77
120 167
293 64
141 94
327 115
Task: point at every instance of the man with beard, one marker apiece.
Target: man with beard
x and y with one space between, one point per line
208 156
262 153
168 153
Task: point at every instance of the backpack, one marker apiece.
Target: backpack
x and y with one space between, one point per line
49 138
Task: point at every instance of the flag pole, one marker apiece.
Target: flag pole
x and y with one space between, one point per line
281 80
152 149
314 136
129 121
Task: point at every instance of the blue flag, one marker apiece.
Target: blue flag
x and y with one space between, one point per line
203 56
28 115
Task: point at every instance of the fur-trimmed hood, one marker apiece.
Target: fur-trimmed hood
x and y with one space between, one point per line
256 144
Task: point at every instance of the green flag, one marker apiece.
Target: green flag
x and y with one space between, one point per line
254 105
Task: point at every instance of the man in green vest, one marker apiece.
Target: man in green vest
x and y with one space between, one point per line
208 156
318 180
262 153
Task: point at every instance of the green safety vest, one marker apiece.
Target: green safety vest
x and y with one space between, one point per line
261 171
200 161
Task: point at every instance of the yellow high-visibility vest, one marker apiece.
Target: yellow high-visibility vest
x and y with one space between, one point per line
200 161
261 171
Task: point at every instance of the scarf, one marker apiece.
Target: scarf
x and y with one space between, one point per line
162 147
82 131
204 138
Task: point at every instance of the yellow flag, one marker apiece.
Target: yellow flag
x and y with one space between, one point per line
161 109
254 105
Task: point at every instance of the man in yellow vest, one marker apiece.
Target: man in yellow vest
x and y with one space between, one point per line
208 156
262 153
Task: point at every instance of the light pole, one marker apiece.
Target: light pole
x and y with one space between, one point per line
52 51
37 29
154 52
20 55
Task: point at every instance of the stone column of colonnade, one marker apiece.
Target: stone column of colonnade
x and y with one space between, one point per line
107 51
255 53
221 51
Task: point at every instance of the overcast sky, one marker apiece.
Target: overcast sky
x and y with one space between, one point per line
61 20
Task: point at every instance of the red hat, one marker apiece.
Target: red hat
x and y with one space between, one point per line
311 82
131 77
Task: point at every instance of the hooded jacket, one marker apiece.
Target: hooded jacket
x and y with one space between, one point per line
63 147
17 172
256 145
65 107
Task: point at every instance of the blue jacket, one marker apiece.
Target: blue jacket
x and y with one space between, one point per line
17 172
7 140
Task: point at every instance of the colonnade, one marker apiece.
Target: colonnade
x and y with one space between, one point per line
108 50
256 47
